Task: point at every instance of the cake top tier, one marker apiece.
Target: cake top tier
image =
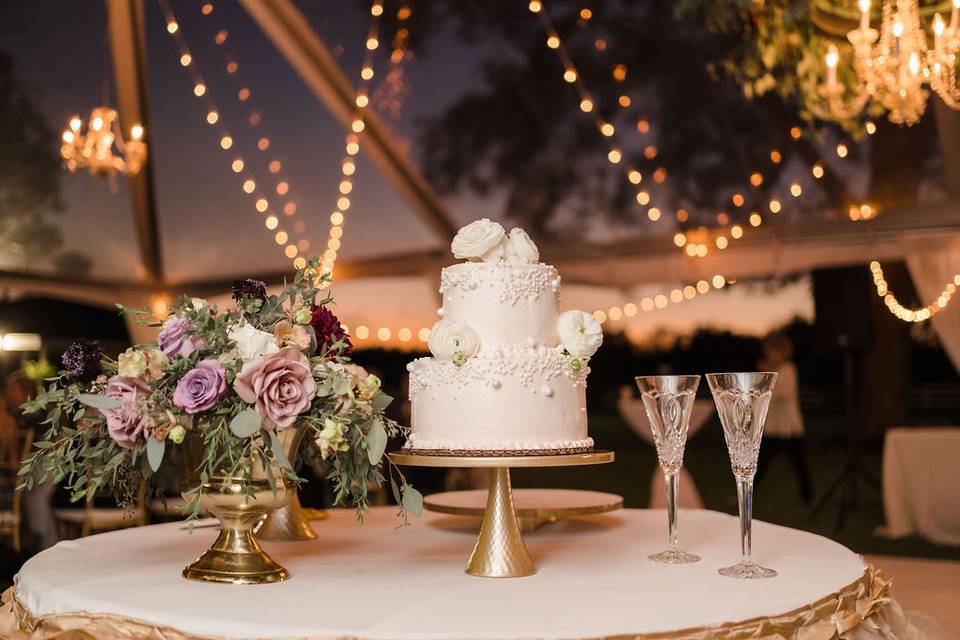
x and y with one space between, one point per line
502 297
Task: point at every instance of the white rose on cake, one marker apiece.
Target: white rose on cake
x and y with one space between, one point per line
520 248
580 333
481 240
453 342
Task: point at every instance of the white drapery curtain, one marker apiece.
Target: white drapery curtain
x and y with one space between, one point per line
932 264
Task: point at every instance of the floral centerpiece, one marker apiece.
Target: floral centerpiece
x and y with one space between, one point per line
227 386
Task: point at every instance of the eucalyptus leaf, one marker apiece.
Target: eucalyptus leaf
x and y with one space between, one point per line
98 401
278 452
245 424
381 401
395 488
155 449
376 442
412 500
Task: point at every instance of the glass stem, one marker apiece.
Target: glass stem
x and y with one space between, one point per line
672 481
745 498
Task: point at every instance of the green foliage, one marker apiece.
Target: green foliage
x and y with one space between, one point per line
229 439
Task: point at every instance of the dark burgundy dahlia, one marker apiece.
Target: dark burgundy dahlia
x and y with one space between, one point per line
249 288
328 329
81 360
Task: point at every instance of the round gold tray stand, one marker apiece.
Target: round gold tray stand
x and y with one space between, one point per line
531 517
500 551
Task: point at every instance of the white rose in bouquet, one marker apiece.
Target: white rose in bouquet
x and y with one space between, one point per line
520 248
251 342
580 333
481 240
453 342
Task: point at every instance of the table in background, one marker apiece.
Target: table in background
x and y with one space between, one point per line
921 483
379 580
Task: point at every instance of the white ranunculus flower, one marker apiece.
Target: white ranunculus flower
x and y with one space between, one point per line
480 240
453 342
580 333
132 363
521 249
251 342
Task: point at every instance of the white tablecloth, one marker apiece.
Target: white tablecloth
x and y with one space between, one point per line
380 581
921 483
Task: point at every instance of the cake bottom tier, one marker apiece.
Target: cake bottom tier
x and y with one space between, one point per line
526 400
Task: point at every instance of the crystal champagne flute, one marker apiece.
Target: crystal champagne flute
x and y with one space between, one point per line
668 402
742 401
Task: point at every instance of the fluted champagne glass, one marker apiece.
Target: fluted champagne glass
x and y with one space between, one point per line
742 401
668 402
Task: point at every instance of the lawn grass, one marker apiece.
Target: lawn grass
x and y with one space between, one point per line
777 500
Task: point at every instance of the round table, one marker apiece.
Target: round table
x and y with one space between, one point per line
380 580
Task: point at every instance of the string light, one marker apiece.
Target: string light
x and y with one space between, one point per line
905 313
348 166
614 313
619 73
212 116
281 186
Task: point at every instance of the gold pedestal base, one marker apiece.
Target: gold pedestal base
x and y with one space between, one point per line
236 557
500 551
286 524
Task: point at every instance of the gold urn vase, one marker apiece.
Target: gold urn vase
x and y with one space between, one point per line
288 523
236 557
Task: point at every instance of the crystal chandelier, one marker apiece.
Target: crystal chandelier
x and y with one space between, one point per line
94 150
895 66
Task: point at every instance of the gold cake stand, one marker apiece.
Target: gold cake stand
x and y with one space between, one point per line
500 551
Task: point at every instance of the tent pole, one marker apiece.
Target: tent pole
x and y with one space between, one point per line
125 22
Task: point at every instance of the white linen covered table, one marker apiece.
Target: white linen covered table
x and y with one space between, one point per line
379 580
921 483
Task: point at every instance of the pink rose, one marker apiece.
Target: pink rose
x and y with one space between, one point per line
125 422
279 384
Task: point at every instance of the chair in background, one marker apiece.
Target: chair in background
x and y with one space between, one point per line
15 445
90 518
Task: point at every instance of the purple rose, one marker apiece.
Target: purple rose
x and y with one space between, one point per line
280 384
125 423
201 388
174 338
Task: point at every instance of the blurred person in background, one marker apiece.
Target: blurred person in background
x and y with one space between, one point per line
783 432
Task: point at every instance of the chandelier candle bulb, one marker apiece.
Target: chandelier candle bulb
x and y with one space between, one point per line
832 59
864 15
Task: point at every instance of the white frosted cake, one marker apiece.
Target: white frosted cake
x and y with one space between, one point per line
509 372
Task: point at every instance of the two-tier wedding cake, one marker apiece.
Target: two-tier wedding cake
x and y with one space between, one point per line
508 374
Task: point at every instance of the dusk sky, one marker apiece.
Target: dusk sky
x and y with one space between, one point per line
209 227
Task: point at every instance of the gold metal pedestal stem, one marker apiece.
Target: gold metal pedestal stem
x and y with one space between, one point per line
287 524
500 551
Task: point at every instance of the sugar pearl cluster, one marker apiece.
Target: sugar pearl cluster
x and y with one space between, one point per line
534 367
513 283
